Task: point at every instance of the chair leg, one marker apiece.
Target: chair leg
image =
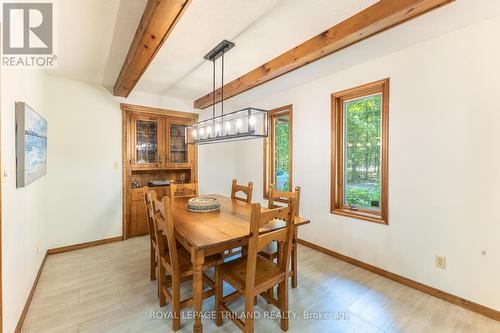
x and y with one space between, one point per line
176 304
283 302
219 284
249 313
294 264
161 281
279 257
152 263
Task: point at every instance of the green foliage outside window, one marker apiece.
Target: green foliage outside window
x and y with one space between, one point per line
282 153
362 151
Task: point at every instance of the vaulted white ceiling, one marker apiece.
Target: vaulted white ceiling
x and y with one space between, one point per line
261 30
95 35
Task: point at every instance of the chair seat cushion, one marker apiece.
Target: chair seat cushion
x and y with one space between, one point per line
235 272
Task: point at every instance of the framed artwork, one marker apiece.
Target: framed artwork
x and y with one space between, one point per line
31 145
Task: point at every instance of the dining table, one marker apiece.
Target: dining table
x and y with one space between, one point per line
208 233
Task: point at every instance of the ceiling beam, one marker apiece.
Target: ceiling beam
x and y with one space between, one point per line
157 22
380 16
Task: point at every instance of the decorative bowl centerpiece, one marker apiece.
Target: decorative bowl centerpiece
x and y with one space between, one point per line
203 205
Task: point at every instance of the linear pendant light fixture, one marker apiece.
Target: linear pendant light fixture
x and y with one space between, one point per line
248 123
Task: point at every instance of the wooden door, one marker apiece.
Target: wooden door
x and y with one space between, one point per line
147 144
138 219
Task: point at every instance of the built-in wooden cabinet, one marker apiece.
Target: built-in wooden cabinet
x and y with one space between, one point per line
154 148
159 142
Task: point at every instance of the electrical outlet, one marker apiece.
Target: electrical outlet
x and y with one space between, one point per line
441 262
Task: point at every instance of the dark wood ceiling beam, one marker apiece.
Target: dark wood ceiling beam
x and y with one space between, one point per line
380 16
157 22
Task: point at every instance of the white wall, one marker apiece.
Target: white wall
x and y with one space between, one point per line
85 140
24 210
216 164
79 200
85 190
443 166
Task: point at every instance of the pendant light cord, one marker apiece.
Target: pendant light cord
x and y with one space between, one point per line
213 91
222 86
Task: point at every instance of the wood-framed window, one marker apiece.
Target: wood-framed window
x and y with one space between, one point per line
278 148
360 118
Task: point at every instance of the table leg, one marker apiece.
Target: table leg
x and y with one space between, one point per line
197 258
294 259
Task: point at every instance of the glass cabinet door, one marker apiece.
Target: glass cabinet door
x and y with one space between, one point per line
178 148
146 142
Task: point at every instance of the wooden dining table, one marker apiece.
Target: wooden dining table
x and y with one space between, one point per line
205 234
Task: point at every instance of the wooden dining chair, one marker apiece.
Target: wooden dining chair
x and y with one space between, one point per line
247 190
253 275
271 252
176 261
183 190
149 197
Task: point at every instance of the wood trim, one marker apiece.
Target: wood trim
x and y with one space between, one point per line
157 22
83 245
267 170
125 172
337 205
379 17
462 302
20 322
1 222
157 111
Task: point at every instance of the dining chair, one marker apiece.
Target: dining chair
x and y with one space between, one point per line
271 251
149 197
176 261
247 190
183 190
253 275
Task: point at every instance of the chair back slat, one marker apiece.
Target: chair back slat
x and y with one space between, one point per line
183 190
275 195
280 213
259 240
247 190
279 235
165 233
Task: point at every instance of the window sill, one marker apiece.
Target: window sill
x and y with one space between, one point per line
375 218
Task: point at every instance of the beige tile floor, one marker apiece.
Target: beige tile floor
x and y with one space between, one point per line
107 289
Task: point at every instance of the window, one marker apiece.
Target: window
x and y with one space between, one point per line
359 152
278 150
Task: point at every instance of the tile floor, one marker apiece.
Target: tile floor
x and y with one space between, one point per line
107 289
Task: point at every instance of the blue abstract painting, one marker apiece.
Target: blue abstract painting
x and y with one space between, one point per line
31 145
